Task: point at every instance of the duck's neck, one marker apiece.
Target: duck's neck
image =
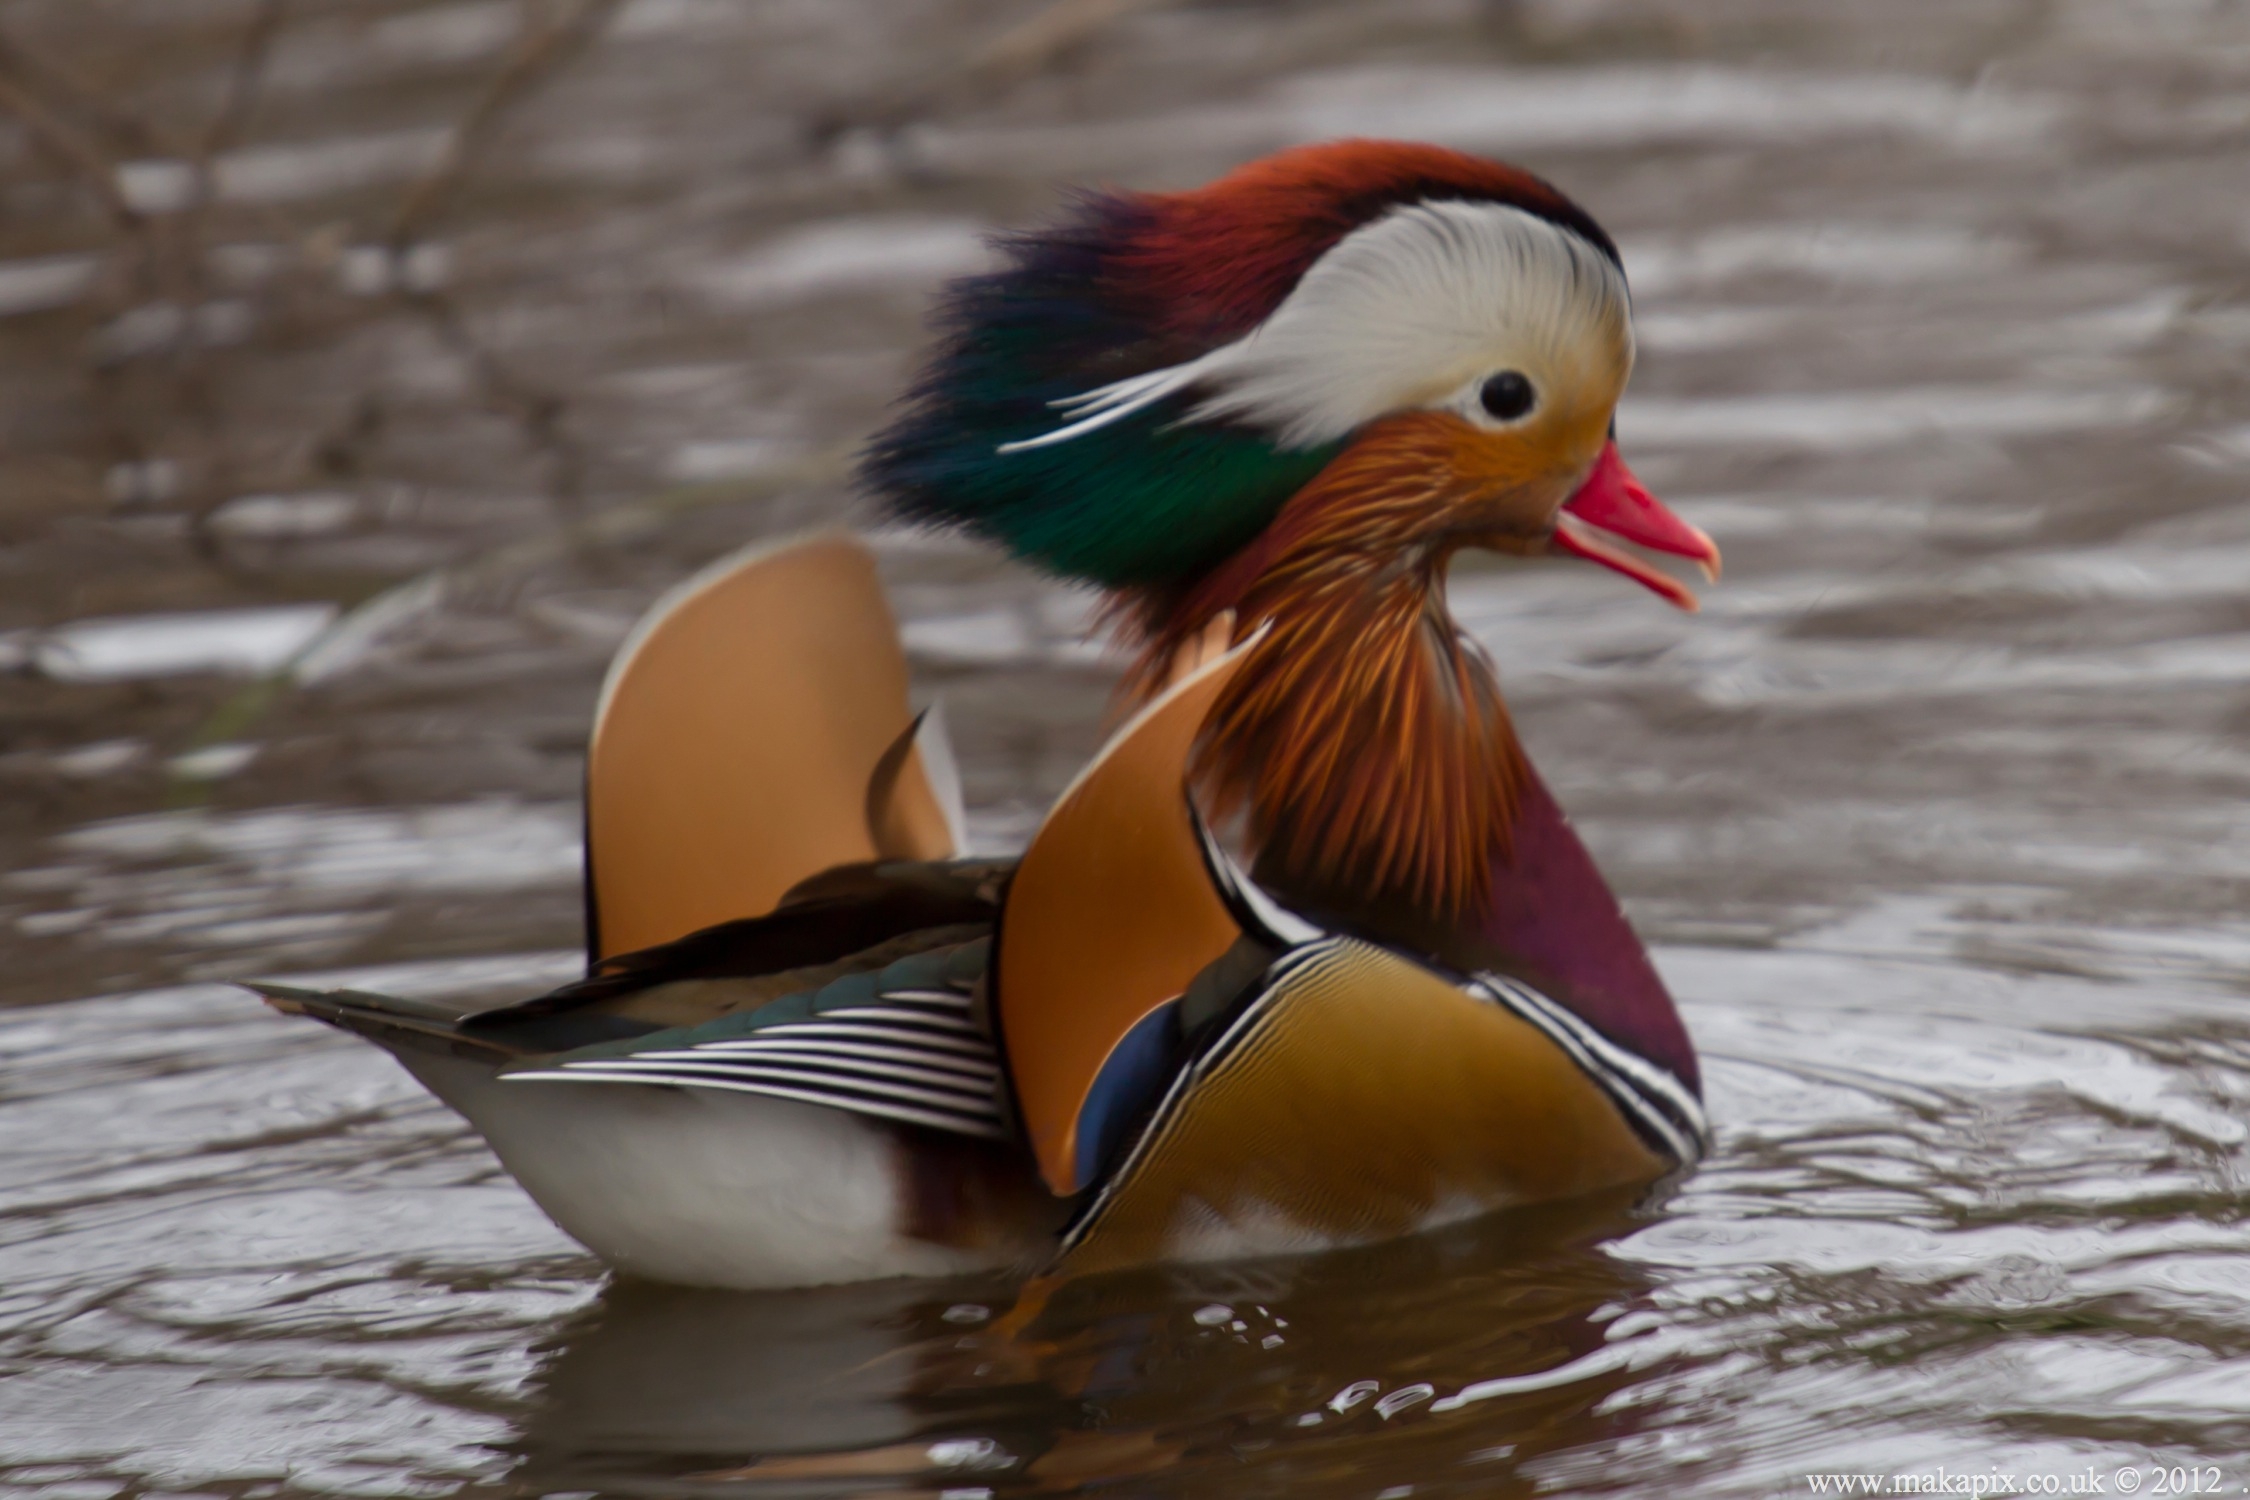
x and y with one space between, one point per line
1385 792
1363 738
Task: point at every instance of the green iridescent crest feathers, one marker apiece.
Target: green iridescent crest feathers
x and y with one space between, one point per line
1140 503
1126 284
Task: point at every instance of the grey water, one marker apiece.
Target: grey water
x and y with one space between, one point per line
367 365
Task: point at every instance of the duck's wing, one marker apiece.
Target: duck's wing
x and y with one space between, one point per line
1109 919
859 993
766 821
754 731
896 1038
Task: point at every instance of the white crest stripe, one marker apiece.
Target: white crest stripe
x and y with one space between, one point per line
1411 309
1103 405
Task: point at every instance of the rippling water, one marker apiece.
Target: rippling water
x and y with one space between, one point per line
1955 1218
1935 813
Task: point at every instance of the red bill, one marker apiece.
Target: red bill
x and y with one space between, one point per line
1613 504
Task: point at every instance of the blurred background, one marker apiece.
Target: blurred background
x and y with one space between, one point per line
366 366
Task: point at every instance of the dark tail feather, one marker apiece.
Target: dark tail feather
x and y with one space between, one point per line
388 1021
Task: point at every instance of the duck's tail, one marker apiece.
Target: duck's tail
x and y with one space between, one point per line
392 1022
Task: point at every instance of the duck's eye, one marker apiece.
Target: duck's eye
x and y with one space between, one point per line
1507 396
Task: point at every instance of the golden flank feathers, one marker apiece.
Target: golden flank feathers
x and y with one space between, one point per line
1361 1097
737 741
1110 914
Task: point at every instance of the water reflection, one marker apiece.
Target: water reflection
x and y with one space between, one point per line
1481 1347
1950 1212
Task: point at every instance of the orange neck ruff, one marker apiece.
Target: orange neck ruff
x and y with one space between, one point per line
1364 739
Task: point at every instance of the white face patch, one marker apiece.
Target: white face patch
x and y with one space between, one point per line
1414 310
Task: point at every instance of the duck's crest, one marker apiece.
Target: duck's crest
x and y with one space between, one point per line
1130 285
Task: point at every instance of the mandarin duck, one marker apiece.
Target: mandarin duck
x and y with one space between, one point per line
1306 956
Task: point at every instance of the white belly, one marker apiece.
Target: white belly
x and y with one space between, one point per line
700 1186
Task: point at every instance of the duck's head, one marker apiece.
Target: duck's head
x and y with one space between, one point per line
1135 398
1293 395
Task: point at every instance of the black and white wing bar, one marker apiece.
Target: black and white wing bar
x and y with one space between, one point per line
1662 1107
915 1056
1246 901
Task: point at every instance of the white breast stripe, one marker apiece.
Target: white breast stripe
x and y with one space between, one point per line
1651 1096
1282 969
1653 1080
1645 1112
1244 898
1645 1092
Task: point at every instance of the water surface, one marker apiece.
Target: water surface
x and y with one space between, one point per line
320 512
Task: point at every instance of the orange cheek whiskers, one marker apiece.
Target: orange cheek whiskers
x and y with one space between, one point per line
1364 739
